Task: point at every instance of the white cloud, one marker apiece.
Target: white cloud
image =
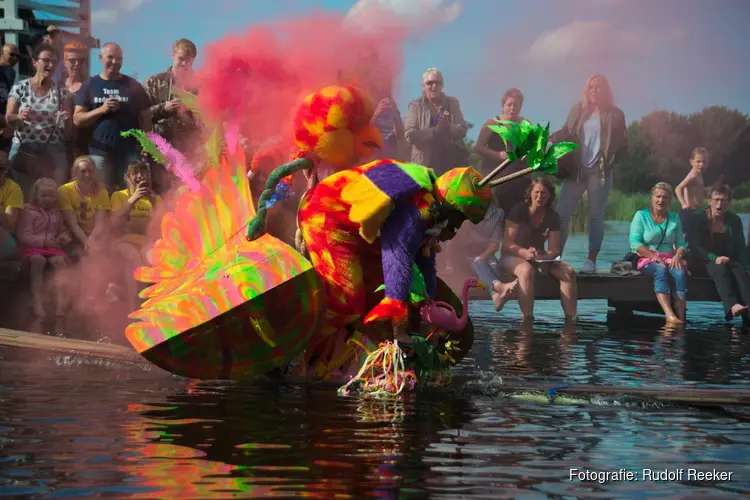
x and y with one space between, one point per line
581 40
103 16
130 5
409 13
110 15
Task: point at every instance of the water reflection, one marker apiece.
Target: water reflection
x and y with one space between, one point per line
76 430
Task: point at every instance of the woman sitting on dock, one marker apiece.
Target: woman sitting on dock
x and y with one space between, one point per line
717 243
528 227
656 237
484 244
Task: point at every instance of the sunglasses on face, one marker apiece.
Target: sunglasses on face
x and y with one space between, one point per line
433 82
46 61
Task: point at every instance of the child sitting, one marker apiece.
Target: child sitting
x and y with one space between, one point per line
42 233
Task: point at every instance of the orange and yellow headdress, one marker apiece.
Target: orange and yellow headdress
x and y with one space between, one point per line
334 125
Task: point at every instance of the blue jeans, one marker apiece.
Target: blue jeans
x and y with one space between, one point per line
488 271
111 168
571 192
50 161
666 279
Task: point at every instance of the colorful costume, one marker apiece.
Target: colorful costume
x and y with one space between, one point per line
219 302
387 209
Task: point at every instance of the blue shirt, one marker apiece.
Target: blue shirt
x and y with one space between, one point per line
105 133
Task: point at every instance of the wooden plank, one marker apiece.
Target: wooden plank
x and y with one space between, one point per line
28 340
600 285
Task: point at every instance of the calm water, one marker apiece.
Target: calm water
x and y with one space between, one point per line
71 428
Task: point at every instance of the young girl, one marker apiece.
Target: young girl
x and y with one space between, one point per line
42 233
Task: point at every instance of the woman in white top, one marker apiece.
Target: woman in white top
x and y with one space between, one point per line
599 127
40 111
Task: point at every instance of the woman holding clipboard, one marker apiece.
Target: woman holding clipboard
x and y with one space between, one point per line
530 225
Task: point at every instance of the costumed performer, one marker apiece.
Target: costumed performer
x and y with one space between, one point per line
390 211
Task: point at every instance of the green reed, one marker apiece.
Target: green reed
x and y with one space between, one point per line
622 206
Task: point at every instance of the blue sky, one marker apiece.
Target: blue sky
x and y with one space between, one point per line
679 55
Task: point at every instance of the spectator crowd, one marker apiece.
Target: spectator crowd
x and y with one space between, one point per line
72 186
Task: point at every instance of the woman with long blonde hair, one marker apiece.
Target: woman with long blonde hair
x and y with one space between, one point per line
84 203
599 127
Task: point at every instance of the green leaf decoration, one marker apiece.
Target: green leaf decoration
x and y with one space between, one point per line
530 141
147 145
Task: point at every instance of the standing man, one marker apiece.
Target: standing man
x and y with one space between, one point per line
110 103
170 117
8 60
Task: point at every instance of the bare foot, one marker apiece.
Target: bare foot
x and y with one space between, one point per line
674 320
502 293
738 309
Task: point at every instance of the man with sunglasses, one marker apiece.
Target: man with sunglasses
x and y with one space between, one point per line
8 60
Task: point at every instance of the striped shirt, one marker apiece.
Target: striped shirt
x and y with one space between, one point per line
491 227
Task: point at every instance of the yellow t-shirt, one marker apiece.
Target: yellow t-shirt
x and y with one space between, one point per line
85 208
11 195
140 214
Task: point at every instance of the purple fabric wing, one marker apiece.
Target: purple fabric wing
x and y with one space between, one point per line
400 239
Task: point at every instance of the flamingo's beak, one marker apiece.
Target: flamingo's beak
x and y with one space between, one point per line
481 285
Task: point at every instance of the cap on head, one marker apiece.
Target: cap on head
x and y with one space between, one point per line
459 189
75 48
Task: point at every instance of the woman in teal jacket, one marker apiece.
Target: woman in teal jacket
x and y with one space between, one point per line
656 236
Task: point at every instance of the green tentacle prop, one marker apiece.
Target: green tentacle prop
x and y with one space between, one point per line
146 143
257 225
528 142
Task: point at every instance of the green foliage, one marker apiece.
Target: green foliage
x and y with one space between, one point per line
660 145
623 206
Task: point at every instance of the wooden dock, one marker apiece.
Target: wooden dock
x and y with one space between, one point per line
58 345
625 294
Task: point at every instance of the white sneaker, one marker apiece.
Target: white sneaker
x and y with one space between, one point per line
589 267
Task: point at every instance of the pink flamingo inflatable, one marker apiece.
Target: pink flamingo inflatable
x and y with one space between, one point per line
442 315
